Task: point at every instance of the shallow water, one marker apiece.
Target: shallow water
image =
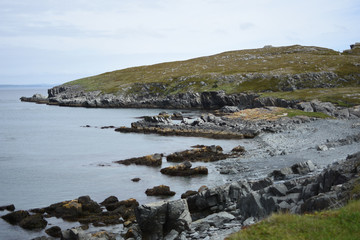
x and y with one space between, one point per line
47 156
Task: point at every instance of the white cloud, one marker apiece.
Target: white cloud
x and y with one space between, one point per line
171 28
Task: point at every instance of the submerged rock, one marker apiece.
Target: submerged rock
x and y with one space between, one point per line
149 160
199 153
184 169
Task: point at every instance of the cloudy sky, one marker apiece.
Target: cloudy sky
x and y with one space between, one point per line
55 41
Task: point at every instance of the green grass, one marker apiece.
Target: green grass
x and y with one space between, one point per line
347 96
339 224
255 70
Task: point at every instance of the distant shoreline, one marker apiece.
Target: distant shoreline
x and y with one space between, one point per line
27 85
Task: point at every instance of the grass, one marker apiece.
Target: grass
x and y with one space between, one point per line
255 70
339 224
347 96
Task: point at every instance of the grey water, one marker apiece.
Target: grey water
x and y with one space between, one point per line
47 156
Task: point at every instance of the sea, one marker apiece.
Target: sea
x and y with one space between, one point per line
47 155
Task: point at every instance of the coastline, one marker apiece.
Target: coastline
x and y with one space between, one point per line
273 151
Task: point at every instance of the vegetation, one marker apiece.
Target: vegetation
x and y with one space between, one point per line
341 96
263 70
334 224
273 113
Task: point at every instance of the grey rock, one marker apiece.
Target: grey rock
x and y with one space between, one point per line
322 148
303 167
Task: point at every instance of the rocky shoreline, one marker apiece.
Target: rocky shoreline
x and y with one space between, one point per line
75 96
207 214
213 213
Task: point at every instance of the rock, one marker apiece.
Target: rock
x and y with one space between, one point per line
33 222
322 148
319 202
157 220
216 219
188 193
136 179
151 219
303 167
184 170
324 107
199 153
89 205
110 200
54 231
149 160
260 184
249 221
282 173
229 109
10 208
238 149
177 116
172 235
161 190
178 216
278 189
71 210
15 217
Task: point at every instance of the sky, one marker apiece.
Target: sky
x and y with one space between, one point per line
55 41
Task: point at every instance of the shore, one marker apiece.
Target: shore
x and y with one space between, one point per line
287 142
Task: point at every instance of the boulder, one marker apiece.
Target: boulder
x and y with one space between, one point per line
157 220
151 219
10 208
33 222
88 205
282 173
303 167
229 109
161 190
15 217
54 231
188 193
109 200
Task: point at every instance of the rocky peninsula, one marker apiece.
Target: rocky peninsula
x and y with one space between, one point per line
300 105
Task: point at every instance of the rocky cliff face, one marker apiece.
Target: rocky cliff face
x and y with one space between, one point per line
75 96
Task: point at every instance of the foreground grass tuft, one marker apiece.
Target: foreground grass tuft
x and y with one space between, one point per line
343 223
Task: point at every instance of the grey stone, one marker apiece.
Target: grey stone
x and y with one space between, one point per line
278 189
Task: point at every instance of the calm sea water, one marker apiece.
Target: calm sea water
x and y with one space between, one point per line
47 157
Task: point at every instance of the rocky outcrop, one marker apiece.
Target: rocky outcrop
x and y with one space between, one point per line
37 98
199 153
161 219
161 190
184 169
244 202
10 207
149 160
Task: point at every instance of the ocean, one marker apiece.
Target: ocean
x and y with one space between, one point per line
48 156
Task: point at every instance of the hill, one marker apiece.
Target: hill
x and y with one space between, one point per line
268 69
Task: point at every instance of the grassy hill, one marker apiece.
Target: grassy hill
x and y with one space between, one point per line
263 70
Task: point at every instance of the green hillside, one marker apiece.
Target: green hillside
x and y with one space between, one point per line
268 69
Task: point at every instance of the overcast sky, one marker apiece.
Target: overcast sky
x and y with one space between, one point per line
55 41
